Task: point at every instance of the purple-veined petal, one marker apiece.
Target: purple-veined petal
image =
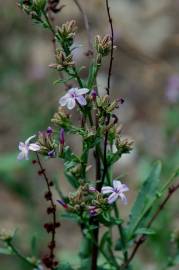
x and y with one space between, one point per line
26 153
29 139
73 91
106 190
63 100
82 91
21 146
117 184
123 198
124 188
81 100
71 103
112 198
20 156
34 147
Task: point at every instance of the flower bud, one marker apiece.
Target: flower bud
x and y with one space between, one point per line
6 236
93 94
67 31
39 4
103 45
61 118
62 138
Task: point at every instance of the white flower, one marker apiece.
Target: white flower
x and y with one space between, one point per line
25 147
117 191
74 95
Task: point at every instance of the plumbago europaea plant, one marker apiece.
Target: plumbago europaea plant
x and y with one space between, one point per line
95 203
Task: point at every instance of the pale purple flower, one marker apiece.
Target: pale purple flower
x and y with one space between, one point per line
24 148
117 191
172 91
74 95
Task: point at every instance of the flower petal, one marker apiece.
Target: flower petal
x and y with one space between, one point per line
29 139
92 189
123 198
21 146
107 189
124 188
63 100
112 198
34 147
82 91
73 91
71 103
81 100
20 156
116 184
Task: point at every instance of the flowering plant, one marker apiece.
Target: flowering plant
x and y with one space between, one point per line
94 203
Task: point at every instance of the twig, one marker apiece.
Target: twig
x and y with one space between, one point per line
48 14
142 238
87 27
49 260
112 47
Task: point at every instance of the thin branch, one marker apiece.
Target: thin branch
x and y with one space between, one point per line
49 260
87 27
49 16
142 238
112 47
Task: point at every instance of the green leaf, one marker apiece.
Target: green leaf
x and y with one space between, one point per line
92 75
64 266
34 245
105 238
108 220
146 195
144 231
70 216
62 80
85 248
5 251
72 179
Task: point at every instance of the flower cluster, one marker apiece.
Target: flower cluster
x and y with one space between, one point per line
98 129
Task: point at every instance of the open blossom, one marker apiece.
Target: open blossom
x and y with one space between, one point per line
24 148
74 95
117 191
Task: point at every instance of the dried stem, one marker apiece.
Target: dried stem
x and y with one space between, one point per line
49 15
143 237
112 47
87 27
49 261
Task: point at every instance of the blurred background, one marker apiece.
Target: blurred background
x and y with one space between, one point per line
145 74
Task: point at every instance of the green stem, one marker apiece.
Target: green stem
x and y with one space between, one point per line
122 235
48 22
66 50
23 258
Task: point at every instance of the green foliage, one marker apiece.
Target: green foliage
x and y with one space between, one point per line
144 200
99 132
